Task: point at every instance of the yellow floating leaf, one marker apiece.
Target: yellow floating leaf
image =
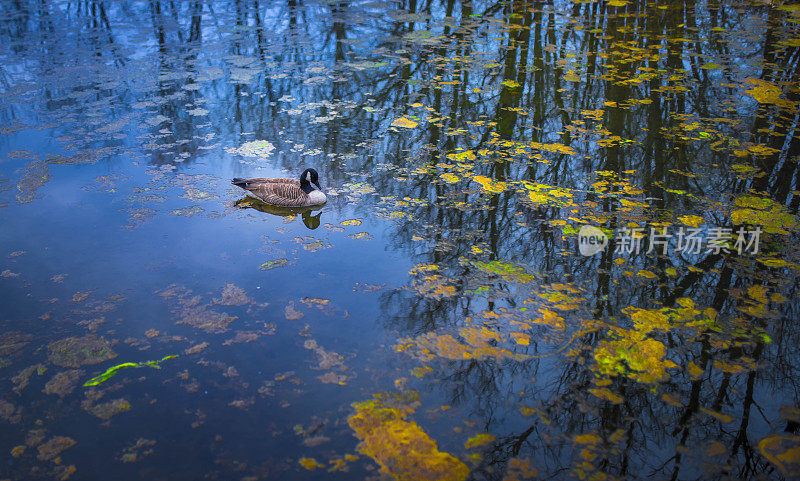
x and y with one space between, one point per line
695 371
351 222
587 439
691 220
550 318
421 371
759 293
450 178
607 395
402 449
466 155
763 91
480 439
764 212
310 464
637 357
774 262
519 469
722 417
490 185
521 339
404 122
716 448
479 343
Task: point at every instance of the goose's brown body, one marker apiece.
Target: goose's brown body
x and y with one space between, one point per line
283 192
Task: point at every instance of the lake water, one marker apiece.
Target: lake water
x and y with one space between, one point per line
560 240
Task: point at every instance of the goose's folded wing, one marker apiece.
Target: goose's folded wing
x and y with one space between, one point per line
285 194
267 180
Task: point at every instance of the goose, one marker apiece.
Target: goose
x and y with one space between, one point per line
286 192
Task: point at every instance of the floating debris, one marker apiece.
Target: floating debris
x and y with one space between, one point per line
193 313
233 296
250 336
80 351
106 411
54 447
242 403
334 228
361 235
22 379
11 342
142 447
81 296
188 211
35 176
197 195
332 378
7 274
196 348
256 148
479 343
291 313
58 278
274 264
9 412
63 383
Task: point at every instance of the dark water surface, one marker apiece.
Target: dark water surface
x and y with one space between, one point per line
436 319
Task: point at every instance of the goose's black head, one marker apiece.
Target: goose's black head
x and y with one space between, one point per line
309 180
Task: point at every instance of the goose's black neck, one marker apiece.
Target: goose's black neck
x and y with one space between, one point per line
305 185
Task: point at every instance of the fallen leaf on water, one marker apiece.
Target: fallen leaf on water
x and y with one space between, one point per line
404 122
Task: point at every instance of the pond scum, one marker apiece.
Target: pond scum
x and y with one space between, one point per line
463 146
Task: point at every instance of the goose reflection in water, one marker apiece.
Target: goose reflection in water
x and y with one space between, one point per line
310 221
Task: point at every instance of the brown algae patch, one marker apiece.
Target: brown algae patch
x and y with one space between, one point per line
23 378
142 447
107 410
51 449
80 351
9 412
63 383
191 311
233 296
11 342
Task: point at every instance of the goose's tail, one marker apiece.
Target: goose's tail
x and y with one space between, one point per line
239 182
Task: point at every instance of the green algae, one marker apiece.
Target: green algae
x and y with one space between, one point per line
110 372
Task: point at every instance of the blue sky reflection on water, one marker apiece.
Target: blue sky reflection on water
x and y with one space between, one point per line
438 298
